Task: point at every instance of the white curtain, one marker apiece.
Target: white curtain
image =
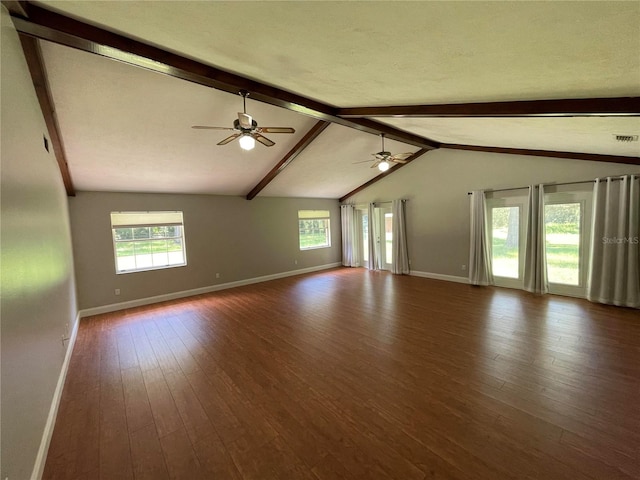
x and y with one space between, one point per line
374 256
399 250
614 270
480 271
535 261
349 236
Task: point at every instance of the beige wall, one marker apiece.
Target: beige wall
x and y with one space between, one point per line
238 238
436 186
38 291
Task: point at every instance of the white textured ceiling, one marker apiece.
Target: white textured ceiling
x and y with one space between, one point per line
390 53
330 161
561 134
127 129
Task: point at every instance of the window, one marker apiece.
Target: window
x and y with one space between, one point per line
313 228
147 240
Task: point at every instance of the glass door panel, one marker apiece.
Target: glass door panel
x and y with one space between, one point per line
364 222
563 239
388 240
505 241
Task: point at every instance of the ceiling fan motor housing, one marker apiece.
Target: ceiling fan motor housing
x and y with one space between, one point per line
236 125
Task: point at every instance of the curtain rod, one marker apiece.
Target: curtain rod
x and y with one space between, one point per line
618 177
388 201
404 200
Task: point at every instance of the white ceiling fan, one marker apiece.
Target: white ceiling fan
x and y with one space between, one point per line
384 160
247 129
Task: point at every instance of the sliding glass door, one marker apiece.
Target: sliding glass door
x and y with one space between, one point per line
567 221
382 225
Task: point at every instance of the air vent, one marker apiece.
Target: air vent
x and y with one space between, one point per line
626 138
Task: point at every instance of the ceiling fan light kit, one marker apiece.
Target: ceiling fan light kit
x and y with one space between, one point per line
247 129
247 142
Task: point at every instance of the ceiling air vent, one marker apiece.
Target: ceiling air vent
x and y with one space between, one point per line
626 138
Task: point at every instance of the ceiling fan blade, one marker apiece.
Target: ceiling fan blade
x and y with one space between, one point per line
276 130
245 120
376 163
229 139
263 140
397 160
363 161
206 127
401 156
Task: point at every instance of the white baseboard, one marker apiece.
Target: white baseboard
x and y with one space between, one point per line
439 276
199 291
41 458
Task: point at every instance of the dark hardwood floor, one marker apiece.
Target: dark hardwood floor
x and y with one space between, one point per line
356 375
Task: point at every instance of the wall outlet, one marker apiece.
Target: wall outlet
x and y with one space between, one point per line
117 291
295 262
464 267
217 275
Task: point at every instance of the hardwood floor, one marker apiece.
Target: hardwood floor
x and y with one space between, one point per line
356 375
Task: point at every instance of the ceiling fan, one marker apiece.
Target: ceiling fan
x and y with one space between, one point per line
383 159
247 129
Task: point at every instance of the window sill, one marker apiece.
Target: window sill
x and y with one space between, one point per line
124 272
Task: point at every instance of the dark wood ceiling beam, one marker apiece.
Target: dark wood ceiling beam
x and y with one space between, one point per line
54 27
311 135
419 153
512 151
15 7
548 153
33 55
622 106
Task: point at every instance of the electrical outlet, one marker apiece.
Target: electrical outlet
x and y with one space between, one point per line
464 267
295 262
217 275
117 291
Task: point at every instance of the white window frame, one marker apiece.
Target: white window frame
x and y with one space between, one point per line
315 215
122 220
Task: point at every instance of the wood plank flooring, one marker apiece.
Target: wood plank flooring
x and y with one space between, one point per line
351 374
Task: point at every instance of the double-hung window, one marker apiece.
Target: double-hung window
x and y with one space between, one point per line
313 229
147 240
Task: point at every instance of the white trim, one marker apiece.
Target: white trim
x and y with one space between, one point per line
439 276
199 291
41 457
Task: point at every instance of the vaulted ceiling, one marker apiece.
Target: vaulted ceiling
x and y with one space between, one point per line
543 78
